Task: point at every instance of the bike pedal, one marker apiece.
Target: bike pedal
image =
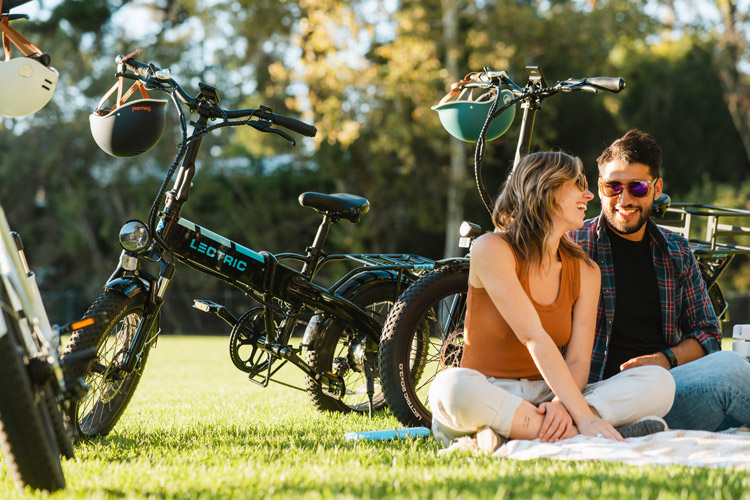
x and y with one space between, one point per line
207 306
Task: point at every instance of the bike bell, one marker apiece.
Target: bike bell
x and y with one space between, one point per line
463 116
128 129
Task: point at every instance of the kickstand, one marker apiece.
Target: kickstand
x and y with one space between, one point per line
370 375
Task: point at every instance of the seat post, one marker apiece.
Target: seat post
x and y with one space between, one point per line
316 250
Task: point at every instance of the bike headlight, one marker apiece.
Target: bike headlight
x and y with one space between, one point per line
135 236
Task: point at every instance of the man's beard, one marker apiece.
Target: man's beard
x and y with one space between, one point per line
631 227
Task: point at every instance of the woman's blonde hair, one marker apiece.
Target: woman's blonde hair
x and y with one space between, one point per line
527 204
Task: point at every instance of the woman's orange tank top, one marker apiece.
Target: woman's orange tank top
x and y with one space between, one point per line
491 347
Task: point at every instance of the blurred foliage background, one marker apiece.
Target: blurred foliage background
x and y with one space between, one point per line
366 73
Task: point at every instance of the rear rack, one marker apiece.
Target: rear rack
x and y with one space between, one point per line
393 261
680 219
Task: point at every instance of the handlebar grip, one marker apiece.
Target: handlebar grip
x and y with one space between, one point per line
611 83
294 125
139 68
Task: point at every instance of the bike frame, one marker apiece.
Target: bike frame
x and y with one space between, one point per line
38 335
260 275
714 255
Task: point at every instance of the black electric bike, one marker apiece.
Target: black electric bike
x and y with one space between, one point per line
343 322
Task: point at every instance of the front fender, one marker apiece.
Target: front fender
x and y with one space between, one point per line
130 285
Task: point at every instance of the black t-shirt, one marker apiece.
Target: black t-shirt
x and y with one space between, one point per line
636 329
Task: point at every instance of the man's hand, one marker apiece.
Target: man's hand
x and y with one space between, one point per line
658 359
557 422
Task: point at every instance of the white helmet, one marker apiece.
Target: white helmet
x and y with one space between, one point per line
26 86
26 83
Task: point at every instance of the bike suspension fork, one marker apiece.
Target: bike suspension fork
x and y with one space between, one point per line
150 313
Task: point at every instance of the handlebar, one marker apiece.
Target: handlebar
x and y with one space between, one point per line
593 84
531 95
489 79
159 79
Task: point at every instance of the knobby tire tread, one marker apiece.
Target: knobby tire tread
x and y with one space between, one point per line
368 289
398 334
27 440
116 306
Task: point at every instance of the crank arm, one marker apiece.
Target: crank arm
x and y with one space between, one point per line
331 384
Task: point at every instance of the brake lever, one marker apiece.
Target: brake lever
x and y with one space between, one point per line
573 86
265 126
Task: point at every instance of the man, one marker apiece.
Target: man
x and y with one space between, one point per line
653 307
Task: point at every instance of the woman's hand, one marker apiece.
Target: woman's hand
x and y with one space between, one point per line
557 422
598 427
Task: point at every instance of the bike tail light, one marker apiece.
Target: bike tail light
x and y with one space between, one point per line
135 236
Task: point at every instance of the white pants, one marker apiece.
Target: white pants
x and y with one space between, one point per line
463 400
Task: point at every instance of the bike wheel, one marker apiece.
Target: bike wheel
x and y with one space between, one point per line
422 335
341 349
27 437
64 444
111 389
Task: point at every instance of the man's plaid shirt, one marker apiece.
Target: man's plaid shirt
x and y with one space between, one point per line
686 310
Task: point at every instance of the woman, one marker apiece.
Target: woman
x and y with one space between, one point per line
533 295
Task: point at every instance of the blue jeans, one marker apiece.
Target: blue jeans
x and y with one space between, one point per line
713 393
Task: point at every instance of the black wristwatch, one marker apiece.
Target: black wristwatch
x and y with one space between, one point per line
670 357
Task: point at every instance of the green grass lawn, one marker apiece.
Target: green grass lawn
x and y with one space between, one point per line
197 428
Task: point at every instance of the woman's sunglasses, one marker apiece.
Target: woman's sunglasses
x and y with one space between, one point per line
637 189
583 183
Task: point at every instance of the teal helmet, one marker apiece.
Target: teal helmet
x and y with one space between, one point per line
464 117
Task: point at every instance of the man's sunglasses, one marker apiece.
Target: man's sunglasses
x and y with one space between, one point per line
637 188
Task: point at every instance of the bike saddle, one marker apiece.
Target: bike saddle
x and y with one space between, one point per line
661 204
339 205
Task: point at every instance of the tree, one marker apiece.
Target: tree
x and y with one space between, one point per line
723 25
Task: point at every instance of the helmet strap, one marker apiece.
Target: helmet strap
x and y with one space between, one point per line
21 43
138 85
458 89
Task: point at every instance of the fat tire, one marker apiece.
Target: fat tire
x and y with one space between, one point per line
101 408
371 291
408 353
64 443
26 435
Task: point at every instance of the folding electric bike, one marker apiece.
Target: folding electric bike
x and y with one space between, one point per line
343 322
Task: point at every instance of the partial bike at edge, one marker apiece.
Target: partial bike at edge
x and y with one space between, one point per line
343 322
33 389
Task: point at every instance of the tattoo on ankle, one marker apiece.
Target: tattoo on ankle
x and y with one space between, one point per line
526 422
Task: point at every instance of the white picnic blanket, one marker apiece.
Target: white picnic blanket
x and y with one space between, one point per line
728 449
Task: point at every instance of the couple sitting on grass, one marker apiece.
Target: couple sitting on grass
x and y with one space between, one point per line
551 351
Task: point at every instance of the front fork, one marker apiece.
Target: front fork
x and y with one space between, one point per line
130 280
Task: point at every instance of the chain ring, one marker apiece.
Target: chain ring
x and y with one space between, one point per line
241 338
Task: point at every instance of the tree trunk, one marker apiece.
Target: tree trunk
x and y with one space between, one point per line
457 177
735 85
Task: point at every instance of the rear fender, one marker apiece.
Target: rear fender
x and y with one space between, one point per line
358 283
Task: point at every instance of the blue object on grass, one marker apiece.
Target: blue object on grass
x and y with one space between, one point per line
390 434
